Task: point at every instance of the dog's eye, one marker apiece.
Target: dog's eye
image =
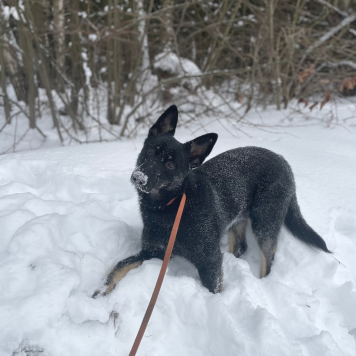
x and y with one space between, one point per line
170 165
150 151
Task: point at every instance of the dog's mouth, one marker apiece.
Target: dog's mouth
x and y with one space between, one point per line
142 189
158 195
155 198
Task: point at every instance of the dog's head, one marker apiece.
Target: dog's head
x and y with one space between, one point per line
164 163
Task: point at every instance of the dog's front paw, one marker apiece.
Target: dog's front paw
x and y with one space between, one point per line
96 293
103 291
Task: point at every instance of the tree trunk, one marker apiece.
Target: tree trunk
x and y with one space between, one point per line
9 64
110 71
117 65
58 24
25 43
7 107
77 74
167 31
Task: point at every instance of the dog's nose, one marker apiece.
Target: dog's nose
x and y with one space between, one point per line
139 178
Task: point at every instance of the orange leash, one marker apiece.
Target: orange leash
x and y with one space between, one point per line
167 256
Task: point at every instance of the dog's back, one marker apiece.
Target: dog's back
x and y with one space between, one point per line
243 176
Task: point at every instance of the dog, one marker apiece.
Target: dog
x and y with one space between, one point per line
222 195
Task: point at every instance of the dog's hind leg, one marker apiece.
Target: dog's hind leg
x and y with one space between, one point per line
267 217
267 242
237 238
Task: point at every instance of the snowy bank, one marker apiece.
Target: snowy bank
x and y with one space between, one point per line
69 214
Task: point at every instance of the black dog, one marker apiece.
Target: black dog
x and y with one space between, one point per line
222 194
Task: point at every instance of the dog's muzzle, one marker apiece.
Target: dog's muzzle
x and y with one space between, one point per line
139 180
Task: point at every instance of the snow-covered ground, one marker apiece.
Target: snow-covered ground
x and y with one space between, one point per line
68 215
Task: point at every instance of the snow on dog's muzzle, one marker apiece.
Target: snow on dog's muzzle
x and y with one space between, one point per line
139 180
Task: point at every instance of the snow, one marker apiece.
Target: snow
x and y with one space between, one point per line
69 214
340 63
83 14
88 72
170 63
8 11
92 37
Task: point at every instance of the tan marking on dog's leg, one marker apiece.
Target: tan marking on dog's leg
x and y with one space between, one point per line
263 265
232 239
240 229
237 236
119 274
263 260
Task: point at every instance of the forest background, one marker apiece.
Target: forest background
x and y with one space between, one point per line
103 69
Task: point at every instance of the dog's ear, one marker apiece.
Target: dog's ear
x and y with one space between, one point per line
166 124
200 148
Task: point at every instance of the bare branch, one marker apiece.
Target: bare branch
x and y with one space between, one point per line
340 12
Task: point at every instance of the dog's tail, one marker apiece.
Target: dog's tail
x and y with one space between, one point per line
300 229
